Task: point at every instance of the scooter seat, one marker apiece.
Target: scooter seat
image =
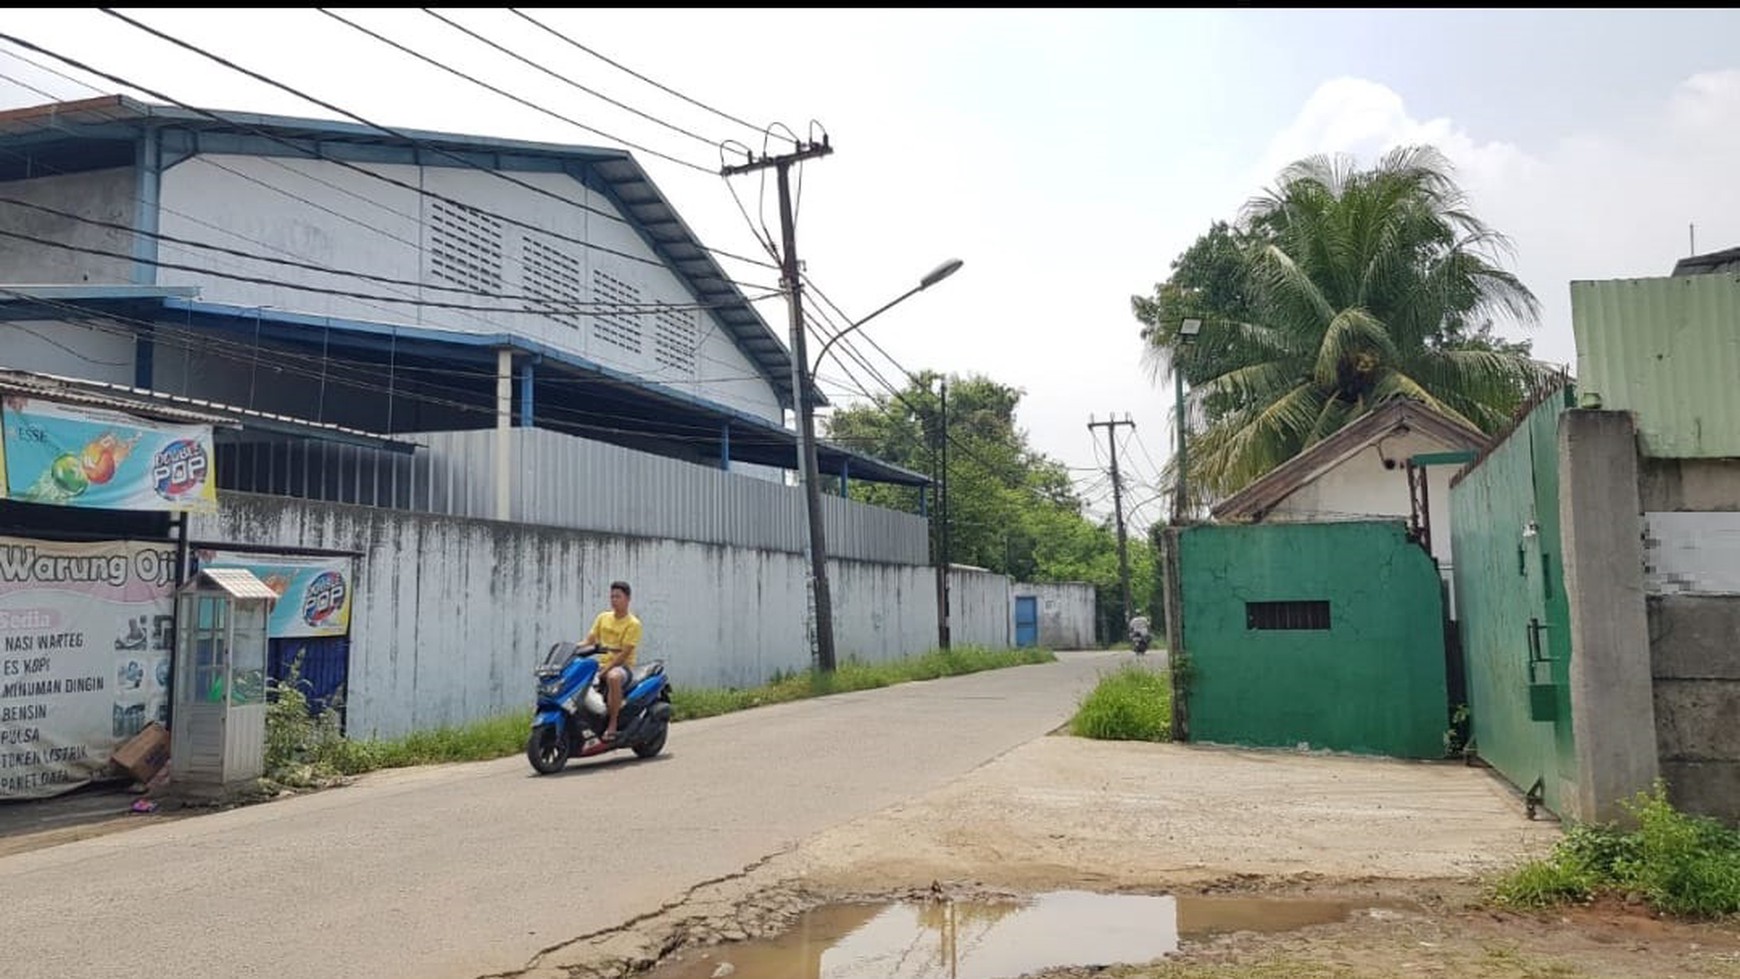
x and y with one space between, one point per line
654 668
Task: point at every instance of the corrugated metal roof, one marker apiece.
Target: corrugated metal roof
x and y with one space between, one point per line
50 388
179 408
1667 350
105 118
1257 498
1726 260
238 582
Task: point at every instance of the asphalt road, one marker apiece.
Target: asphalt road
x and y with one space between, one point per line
465 870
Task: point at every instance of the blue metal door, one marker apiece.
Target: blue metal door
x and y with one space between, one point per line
1026 620
322 667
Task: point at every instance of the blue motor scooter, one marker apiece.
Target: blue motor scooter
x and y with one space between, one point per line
572 712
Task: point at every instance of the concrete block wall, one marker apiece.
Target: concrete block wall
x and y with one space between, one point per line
1692 556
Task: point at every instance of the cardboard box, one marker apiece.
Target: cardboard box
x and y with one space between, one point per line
145 754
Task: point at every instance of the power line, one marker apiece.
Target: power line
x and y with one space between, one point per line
542 301
277 283
301 152
509 95
285 361
330 107
571 82
622 67
713 322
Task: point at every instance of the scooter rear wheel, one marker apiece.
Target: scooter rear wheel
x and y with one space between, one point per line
548 749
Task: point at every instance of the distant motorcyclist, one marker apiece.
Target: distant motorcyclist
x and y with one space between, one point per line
1140 635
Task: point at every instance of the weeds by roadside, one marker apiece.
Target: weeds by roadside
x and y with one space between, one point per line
1677 863
306 749
1132 704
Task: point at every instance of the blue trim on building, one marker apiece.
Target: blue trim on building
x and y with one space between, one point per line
149 184
145 358
482 347
527 416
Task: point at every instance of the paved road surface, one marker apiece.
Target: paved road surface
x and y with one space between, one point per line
463 870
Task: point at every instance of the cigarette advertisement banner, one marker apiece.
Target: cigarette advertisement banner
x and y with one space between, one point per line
85 644
314 593
69 455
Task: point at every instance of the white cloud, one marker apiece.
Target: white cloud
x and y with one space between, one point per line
1366 119
1707 104
1598 204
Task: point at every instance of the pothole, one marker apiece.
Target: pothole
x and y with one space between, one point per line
994 938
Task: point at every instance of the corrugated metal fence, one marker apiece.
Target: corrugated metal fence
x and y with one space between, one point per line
561 480
1667 350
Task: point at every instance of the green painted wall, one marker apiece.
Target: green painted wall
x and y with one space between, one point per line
1373 683
1506 576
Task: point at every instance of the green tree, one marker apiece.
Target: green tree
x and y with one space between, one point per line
1012 510
1338 290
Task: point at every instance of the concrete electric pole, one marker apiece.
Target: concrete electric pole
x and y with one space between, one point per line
1111 427
802 400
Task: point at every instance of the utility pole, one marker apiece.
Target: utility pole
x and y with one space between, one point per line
945 557
1111 427
802 401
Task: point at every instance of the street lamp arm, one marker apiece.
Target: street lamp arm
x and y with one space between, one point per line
885 308
931 278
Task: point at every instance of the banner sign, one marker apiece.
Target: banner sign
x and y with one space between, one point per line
69 455
85 645
314 593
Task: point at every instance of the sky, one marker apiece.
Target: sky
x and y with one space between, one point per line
1065 156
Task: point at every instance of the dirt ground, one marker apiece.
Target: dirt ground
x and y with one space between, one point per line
1414 843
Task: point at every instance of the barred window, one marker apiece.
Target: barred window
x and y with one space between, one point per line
1305 616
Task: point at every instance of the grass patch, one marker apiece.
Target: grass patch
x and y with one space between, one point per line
1677 863
691 703
304 750
1132 704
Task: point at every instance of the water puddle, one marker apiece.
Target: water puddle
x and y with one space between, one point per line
994 940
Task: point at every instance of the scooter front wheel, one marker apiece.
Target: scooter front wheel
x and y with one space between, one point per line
548 749
653 745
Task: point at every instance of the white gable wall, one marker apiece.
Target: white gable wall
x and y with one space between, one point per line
98 195
68 349
1360 488
324 214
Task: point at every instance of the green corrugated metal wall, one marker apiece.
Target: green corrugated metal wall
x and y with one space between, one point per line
1667 350
1372 683
1507 575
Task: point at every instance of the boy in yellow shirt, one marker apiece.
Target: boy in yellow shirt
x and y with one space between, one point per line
617 630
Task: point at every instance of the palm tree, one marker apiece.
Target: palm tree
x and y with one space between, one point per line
1358 287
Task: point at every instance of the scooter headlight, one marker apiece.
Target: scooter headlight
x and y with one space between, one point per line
550 688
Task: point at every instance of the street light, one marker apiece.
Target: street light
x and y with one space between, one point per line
931 278
816 545
1187 332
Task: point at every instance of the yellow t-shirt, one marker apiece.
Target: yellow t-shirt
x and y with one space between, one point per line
617 633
